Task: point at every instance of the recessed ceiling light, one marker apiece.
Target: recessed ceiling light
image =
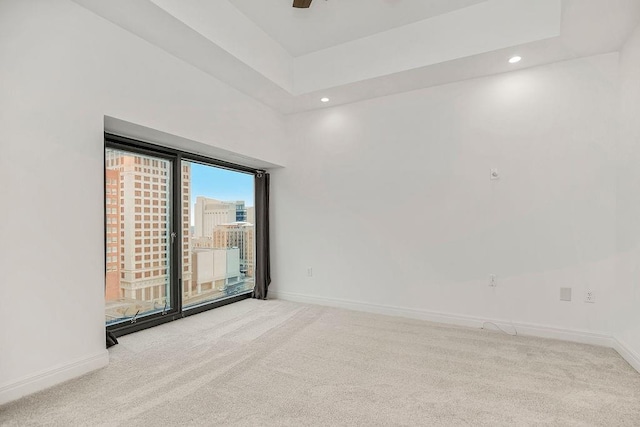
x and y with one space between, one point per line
514 59
324 99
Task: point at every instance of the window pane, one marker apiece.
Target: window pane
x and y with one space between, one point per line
219 233
135 288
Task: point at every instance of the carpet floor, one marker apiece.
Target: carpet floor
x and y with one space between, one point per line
282 363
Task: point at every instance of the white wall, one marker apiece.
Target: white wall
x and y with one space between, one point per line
390 202
62 69
627 329
233 31
492 25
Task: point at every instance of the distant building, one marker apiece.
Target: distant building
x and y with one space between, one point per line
241 211
202 243
237 235
209 213
215 269
251 215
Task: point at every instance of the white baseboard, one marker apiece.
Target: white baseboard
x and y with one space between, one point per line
50 377
627 354
541 331
573 335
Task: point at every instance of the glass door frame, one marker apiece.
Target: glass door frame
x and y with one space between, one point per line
175 157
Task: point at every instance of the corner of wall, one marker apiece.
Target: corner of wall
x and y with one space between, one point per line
627 279
627 353
53 376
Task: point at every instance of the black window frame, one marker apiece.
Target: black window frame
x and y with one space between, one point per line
176 156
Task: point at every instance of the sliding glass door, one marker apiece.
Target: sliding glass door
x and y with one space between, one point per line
179 234
218 255
138 235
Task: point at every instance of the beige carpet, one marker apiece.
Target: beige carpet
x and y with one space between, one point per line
281 363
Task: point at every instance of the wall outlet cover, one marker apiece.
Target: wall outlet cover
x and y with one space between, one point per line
565 294
589 296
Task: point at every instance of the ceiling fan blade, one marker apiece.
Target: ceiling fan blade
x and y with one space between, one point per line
302 3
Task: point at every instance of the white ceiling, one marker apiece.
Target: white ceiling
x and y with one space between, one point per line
329 23
387 49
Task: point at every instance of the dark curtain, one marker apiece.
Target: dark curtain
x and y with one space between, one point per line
263 258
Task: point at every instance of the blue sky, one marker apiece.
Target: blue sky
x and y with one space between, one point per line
221 184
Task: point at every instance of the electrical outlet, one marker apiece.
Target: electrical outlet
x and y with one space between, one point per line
492 281
589 296
309 272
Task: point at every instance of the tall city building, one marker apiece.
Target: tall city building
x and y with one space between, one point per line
187 283
144 225
241 211
237 235
251 215
112 235
209 213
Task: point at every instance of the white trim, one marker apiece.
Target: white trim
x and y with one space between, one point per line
627 354
52 376
528 329
573 335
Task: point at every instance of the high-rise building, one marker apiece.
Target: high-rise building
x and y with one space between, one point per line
237 235
144 225
209 213
112 235
241 211
251 215
187 284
